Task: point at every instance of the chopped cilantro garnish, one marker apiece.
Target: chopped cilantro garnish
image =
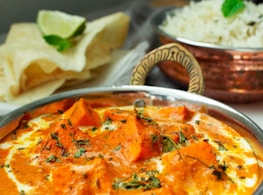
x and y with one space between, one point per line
59 145
154 138
124 120
63 126
217 174
39 141
54 136
22 192
117 148
81 142
47 177
52 158
60 111
69 122
197 122
169 144
136 182
223 166
94 129
79 153
220 145
182 138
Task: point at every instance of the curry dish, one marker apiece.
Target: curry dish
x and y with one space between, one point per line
85 147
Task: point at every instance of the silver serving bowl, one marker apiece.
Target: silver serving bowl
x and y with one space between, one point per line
127 95
232 75
157 96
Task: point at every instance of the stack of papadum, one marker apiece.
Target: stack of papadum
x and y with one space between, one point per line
31 69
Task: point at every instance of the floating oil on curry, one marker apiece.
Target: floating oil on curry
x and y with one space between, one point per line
78 148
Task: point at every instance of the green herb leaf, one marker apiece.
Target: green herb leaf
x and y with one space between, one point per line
154 138
232 7
54 136
69 122
63 126
79 153
82 142
137 182
220 145
58 42
117 148
94 129
169 144
124 120
218 174
47 177
223 166
182 138
52 158
22 192
39 141
108 121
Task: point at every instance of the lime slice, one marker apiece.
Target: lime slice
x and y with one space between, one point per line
60 24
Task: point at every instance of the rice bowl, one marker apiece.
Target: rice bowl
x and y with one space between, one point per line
232 74
204 22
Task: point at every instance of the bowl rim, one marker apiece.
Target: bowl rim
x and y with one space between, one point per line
157 17
168 93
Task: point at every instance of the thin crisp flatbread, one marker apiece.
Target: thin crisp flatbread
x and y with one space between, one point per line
27 62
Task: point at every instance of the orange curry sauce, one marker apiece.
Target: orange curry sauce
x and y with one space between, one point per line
74 148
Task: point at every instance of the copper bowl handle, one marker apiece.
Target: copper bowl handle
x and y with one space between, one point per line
175 53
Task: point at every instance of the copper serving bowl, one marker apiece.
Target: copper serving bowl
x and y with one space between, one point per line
127 95
232 75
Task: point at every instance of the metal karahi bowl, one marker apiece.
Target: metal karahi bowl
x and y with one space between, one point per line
231 75
157 96
127 95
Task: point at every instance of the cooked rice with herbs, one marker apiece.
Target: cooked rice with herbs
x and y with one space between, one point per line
203 21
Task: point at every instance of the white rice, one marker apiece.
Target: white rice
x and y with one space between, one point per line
204 22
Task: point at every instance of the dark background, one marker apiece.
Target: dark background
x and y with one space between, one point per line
12 11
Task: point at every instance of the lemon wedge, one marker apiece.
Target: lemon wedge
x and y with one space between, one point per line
63 25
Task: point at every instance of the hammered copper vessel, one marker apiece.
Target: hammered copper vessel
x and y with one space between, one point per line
232 75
